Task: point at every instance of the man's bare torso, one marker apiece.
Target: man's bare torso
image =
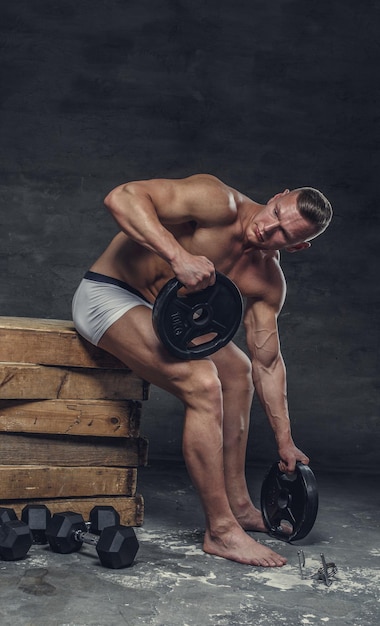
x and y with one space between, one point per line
257 273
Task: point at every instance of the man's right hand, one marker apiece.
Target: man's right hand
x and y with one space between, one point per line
194 272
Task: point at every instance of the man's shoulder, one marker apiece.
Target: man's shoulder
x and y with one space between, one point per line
213 184
208 199
204 177
264 281
275 280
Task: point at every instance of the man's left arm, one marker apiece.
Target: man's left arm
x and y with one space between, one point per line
269 377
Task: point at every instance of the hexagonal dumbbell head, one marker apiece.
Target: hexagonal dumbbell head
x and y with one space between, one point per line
101 517
37 517
7 515
117 546
15 536
60 531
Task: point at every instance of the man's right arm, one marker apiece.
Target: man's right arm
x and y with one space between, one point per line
133 209
141 209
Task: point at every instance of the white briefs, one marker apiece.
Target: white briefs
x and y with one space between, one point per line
100 301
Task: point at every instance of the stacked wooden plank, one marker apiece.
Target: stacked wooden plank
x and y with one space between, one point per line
69 422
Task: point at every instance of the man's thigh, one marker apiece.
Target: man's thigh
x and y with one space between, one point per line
132 339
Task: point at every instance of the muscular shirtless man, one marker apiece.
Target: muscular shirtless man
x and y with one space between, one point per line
189 228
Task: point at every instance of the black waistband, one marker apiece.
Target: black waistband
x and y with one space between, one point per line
102 278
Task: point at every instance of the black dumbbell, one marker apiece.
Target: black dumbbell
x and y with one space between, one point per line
36 516
15 536
116 546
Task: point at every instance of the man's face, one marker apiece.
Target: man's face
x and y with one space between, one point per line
279 224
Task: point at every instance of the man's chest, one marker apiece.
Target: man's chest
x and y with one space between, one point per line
252 271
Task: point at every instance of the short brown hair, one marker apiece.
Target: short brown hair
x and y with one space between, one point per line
315 207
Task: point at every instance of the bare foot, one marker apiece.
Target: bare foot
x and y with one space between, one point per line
251 518
235 545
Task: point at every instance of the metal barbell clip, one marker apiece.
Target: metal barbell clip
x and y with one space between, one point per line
325 573
301 562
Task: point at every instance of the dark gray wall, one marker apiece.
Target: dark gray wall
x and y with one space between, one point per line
265 95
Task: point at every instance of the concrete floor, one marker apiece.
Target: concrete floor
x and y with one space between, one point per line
173 583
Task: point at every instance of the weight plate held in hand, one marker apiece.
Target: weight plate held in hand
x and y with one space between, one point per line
214 313
289 502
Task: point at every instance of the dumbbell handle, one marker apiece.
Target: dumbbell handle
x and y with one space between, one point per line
86 537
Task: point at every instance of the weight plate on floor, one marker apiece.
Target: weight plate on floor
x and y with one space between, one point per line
289 502
179 319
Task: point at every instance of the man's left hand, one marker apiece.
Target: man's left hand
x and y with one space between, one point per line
289 455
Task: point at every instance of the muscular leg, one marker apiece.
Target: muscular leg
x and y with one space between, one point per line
196 383
235 373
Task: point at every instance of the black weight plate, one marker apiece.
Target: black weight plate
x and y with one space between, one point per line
290 498
178 319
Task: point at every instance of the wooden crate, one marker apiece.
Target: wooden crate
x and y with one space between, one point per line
69 422
49 342
131 510
103 418
45 481
27 381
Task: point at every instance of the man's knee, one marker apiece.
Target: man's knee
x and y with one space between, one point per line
242 365
202 383
236 370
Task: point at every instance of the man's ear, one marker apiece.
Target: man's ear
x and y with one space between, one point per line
298 246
